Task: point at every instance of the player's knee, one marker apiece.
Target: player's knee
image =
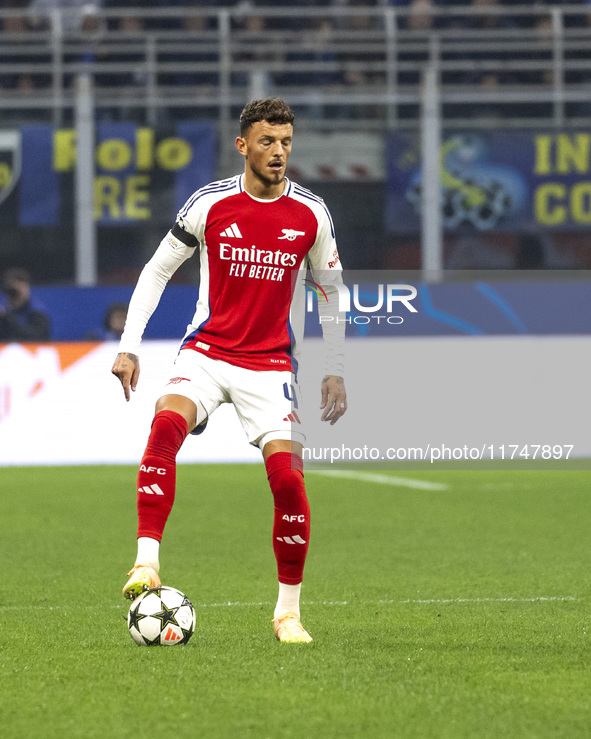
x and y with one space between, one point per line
284 462
286 478
178 405
169 430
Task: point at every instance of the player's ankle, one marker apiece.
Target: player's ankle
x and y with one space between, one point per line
288 600
148 552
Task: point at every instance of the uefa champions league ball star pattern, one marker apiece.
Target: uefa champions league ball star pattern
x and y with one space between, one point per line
162 616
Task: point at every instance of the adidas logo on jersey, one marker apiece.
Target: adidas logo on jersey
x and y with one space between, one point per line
232 232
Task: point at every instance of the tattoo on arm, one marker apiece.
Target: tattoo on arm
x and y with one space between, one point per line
132 357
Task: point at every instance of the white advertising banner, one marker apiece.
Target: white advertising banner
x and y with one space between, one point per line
464 400
60 404
498 396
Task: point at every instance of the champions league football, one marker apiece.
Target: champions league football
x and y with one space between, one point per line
161 617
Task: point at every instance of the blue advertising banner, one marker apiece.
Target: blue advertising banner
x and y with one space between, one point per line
136 167
491 304
497 180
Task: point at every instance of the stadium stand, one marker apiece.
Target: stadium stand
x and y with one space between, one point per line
344 65
493 56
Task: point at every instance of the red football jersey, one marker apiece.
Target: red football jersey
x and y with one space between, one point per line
254 255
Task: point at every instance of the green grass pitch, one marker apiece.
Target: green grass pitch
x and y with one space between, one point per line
458 612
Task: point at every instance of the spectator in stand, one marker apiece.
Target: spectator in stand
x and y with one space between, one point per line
544 34
21 319
113 324
17 26
82 25
304 65
486 68
579 75
198 67
256 60
297 20
419 20
421 16
126 54
11 25
77 15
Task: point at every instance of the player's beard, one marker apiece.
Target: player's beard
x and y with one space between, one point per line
277 179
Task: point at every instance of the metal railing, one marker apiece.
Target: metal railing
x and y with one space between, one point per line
342 59
360 67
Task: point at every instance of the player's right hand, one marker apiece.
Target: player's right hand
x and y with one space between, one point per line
127 368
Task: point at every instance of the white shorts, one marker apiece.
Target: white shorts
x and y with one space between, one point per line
266 401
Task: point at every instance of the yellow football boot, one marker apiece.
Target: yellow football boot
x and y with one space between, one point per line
289 629
142 577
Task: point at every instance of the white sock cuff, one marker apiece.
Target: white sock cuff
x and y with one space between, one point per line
288 599
148 551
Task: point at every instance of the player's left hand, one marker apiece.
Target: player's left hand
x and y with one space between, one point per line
334 398
127 368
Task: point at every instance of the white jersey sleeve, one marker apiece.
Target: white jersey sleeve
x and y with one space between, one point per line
333 331
323 257
168 257
325 266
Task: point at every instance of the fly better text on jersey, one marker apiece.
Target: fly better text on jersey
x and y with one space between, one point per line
257 271
257 264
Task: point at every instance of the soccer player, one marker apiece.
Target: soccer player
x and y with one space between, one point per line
257 233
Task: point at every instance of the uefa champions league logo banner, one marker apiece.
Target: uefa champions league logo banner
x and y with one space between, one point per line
463 303
141 173
494 181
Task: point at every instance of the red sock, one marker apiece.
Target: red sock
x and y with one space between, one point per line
291 524
157 475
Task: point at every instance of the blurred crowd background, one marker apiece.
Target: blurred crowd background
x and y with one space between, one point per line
352 69
310 41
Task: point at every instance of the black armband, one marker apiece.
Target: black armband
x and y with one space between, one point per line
182 235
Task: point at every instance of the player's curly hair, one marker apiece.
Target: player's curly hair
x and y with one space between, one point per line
272 110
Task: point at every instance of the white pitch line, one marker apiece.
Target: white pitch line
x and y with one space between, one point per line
381 479
538 599
246 604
